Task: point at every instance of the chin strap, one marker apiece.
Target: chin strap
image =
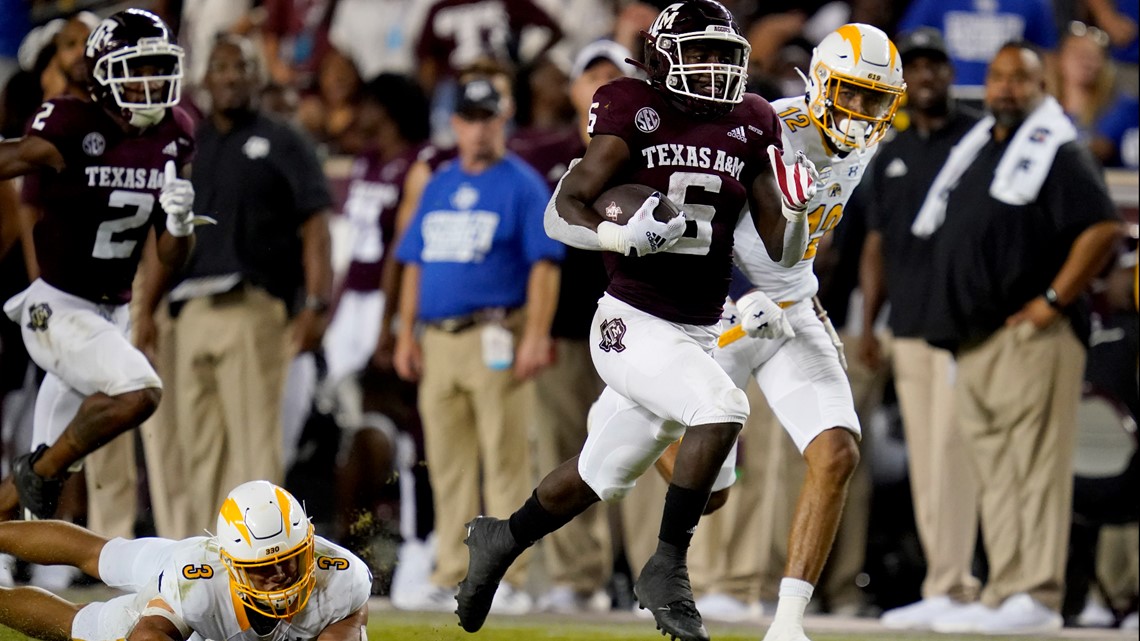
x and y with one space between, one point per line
143 118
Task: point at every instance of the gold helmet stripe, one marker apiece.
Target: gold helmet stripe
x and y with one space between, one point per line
232 514
851 34
283 503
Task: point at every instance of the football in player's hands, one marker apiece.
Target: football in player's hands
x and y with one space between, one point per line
619 203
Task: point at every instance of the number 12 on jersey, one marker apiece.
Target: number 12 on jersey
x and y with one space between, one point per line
819 224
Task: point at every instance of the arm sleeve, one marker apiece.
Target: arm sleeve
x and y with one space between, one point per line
560 230
1075 194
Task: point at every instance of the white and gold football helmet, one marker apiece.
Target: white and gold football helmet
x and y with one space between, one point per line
266 543
855 85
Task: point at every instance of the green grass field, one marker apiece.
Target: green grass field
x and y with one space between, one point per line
394 625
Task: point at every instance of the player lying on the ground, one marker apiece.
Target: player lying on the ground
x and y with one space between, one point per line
264 575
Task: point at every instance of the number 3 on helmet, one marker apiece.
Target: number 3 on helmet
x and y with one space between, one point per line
855 85
266 543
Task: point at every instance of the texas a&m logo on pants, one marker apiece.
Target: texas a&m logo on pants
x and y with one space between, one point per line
613 329
38 316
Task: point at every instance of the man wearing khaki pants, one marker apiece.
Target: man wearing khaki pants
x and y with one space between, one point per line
1023 222
475 255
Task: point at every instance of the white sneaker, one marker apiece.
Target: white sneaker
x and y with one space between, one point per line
1021 614
412 577
53 578
963 619
919 615
508 600
1131 622
431 598
721 607
1095 615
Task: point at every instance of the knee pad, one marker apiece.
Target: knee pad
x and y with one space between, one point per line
623 443
736 402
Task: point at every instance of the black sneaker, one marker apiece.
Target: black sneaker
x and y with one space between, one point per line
38 496
663 588
492 549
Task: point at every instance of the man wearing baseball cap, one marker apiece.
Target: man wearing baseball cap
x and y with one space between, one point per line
481 279
895 265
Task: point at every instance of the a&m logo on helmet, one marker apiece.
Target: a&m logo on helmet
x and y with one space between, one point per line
666 18
100 38
696 51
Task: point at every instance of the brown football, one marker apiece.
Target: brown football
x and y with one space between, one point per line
619 203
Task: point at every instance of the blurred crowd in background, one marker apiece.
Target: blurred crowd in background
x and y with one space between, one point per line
373 84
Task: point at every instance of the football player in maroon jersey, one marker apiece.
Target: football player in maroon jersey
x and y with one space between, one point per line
691 133
103 173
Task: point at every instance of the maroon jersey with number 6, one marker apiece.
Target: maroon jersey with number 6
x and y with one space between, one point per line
707 168
98 210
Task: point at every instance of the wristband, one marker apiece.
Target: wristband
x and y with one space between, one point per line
611 237
179 226
1054 301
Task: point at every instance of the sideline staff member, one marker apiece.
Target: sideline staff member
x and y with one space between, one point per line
1026 222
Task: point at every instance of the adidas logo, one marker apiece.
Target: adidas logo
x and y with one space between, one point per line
739 134
171 149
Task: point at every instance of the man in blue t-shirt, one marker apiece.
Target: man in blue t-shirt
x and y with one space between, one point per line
481 278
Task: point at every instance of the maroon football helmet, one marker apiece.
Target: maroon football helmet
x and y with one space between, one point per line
696 52
134 66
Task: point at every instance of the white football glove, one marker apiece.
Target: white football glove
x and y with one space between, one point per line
761 317
797 182
643 233
177 200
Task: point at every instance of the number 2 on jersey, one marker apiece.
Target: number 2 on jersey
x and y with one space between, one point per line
107 248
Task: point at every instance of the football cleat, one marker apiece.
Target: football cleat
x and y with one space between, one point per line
663 588
38 495
492 549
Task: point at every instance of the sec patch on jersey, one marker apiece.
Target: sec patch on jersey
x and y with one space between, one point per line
619 203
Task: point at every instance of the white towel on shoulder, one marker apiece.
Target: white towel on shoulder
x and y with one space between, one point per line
1020 173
